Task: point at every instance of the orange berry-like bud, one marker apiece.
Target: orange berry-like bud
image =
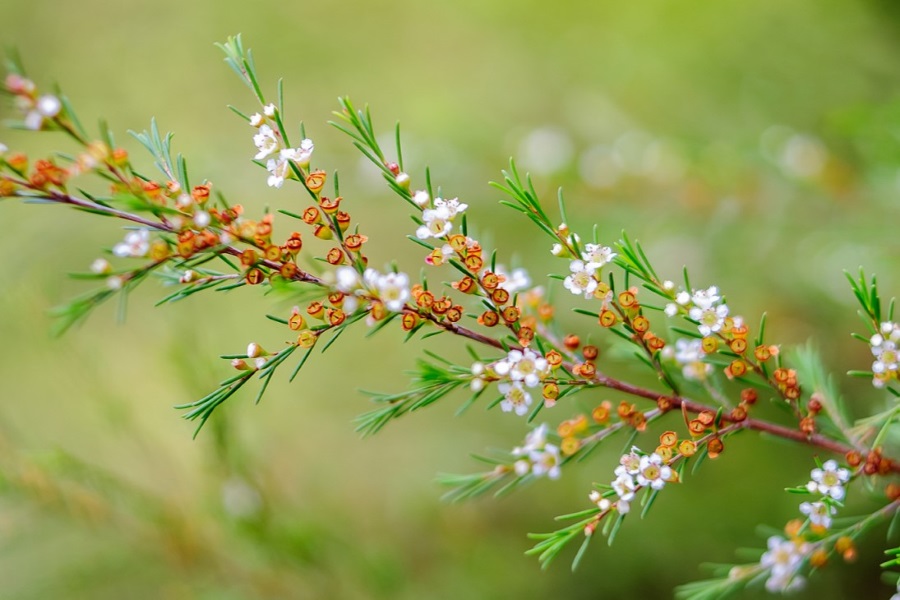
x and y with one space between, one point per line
409 321
850 555
780 375
294 243
490 281
554 359
335 316
120 156
665 452
654 342
343 220
273 252
336 298
608 318
627 299
316 310
640 324
638 420
566 428
289 270
551 391
748 396
892 491
500 296
808 425
454 313
526 335
569 446
296 322
737 368
545 312
466 285
457 242
738 414
792 393
586 370
311 216
625 410
600 414
441 305
323 232
571 341
590 352
715 447
738 345
687 447
792 528
489 318
425 299
200 193
709 344
664 404
706 417
510 314
255 276
696 427
329 206
474 263
354 241
248 257
762 353
853 458
315 181
843 543
335 256
815 403
306 339
668 438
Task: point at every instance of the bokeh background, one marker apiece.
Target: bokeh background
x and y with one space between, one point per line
755 142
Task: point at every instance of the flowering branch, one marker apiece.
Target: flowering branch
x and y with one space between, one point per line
712 370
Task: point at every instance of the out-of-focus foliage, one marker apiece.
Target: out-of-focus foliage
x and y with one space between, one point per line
755 142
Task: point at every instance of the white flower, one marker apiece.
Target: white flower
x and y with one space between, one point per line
101 266
705 298
115 282
783 558
689 354
671 309
454 206
884 347
201 219
829 480
668 285
534 441
254 350
546 462
301 154
819 513
526 366
421 198
269 110
710 319
624 486
256 120
581 281
557 249
595 255
522 467
346 279
402 179
629 464
48 106
3 148
393 289
515 398
652 472
136 244
436 223
278 169
683 298
266 142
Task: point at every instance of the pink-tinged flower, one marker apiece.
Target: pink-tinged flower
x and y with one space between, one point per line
596 256
278 169
301 154
267 143
653 472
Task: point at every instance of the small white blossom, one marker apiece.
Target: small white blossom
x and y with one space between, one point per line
653 472
534 441
136 244
581 281
557 250
705 298
393 289
402 179
683 298
516 398
115 282
595 256
522 467
710 319
436 223
278 169
201 219
346 279
629 464
668 285
819 513
453 206
829 480
689 354
256 120
269 110
301 154
526 366
783 559
254 350
266 142
546 462
101 266
671 309
3 148
624 486
421 198
884 346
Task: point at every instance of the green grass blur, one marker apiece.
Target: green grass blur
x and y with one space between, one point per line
754 142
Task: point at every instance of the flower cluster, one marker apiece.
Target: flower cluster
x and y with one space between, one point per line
887 356
271 148
706 307
583 278
524 369
635 471
37 109
689 354
783 559
392 289
537 456
437 215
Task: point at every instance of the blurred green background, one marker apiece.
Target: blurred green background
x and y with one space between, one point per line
755 142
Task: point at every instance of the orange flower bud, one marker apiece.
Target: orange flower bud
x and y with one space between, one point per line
454 313
526 335
296 322
466 285
425 299
738 414
200 193
510 314
289 270
696 427
315 181
554 359
709 344
273 252
551 391
571 341
737 368
668 438
323 232
687 447
748 396
255 276
738 345
355 241
490 281
627 299
329 206
306 339
715 447
311 216
664 404
343 220
474 263
315 310
335 316
640 324
500 296
590 352
600 414
336 298
586 369
335 256
489 318
569 446
762 353
409 321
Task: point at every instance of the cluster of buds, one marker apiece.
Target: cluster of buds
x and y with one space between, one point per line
437 215
271 147
584 272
